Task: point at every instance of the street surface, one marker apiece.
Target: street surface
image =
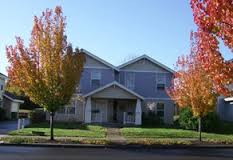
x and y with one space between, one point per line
39 153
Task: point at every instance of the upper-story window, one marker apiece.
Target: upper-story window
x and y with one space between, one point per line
161 82
130 80
95 79
1 87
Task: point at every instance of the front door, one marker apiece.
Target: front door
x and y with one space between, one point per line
99 111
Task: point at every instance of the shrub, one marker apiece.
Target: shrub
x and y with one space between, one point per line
186 119
151 119
2 114
37 116
210 122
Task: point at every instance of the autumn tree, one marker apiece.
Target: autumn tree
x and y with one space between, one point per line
214 19
192 87
47 70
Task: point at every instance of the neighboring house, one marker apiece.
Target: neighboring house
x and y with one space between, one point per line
11 105
3 79
225 108
225 105
120 94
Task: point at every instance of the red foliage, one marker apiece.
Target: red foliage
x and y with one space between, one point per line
214 19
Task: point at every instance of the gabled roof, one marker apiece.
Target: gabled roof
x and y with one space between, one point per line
148 58
12 97
99 59
112 84
3 75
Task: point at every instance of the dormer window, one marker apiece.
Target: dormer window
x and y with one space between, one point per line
95 79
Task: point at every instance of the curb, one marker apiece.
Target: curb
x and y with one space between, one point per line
119 146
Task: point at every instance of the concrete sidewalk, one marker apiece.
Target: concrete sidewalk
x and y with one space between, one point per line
114 136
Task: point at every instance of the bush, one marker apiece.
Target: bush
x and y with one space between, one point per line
2 114
151 119
210 122
186 119
37 116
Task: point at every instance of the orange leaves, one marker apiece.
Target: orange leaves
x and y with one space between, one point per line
47 71
191 86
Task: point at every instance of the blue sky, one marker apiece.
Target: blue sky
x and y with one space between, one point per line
110 29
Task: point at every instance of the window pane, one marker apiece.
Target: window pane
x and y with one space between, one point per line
71 110
96 75
160 113
160 86
130 80
61 110
160 110
95 83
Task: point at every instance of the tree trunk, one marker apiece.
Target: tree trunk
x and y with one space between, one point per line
51 126
199 128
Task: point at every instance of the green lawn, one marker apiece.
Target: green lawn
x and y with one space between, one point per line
64 130
155 133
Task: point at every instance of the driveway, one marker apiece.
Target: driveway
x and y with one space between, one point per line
38 153
8 126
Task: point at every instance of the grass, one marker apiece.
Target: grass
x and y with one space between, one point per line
172 133
63 130
59 140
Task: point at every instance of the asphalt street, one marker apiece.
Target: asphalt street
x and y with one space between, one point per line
39 153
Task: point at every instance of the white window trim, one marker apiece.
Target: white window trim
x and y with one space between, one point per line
94 78
160 80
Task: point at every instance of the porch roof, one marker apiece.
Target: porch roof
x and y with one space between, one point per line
114 91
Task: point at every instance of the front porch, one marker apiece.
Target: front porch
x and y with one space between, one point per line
113 104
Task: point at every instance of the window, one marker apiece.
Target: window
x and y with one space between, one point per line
160 81
61 110
95 79
160 86
71 109
160 110
1 87
130 80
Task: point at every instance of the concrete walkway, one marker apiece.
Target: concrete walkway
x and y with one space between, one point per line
114 136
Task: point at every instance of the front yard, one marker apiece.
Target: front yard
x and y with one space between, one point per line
63 130
136 134
75 133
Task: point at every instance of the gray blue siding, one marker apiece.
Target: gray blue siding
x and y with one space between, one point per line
225 109
145 83
107 76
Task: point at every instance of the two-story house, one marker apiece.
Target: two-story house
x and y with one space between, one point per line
110 94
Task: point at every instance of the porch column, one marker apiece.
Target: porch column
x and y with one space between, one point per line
138 113
88 110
